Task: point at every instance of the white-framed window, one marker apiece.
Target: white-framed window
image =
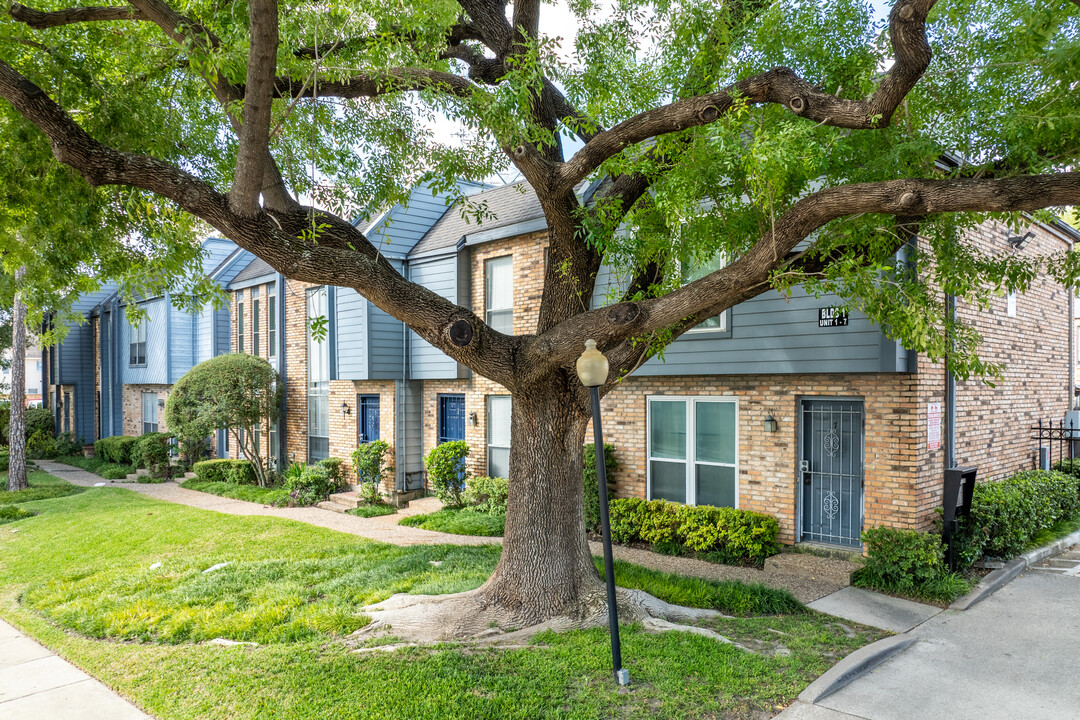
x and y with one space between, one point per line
149 412
271 322
275 448
499 293
693 450
1010 303
499 409
318 380
137 354
240 323
254 321
696 271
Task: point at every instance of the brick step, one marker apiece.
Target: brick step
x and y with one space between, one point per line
826 569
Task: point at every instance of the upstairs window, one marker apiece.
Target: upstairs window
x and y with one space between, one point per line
499 293
271 323
318 380
499 409
695 271
255 321
240 325
137 354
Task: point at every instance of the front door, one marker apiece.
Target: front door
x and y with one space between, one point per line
831 471
451 418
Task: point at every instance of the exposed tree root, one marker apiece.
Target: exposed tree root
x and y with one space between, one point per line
473 619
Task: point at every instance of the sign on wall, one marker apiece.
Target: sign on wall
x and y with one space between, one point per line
832 317
933 426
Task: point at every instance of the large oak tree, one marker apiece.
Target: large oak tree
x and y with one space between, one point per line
780 143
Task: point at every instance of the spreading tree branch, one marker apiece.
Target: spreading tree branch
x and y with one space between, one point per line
258 107
781 85
39 20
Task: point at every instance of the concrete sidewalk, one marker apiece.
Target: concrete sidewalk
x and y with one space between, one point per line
35 684
1011 656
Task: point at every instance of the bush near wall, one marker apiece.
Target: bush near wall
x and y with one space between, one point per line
592 489
238 472
153 452
487 494
117 449
1007 515
723 535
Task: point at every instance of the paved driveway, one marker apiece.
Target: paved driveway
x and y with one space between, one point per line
1016 655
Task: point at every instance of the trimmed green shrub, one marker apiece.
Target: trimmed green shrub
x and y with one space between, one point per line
67 444
40 444
592 490
116 449
1069 467
446 470
115 471
308 484
908 562
11 513
367 461
487 494
332 466
153 452
1007 515
5 460
39 419
722 534
238 472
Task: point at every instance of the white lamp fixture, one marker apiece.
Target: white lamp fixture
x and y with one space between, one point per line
770 424
592 366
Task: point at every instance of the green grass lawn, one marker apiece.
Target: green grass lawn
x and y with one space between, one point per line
251 493
78 576
459 521
102 468
1063 527
43 486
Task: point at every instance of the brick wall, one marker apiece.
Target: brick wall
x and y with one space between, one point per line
132 407
528 253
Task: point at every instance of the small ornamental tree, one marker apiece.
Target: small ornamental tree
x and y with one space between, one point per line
231 392
447 472
369 466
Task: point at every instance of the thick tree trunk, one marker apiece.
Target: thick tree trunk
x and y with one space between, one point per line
546 569
17 421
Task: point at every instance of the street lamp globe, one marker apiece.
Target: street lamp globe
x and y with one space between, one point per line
592 366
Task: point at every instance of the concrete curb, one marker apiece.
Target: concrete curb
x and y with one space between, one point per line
1004 575
851 667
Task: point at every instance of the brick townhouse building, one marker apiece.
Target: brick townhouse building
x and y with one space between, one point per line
773 406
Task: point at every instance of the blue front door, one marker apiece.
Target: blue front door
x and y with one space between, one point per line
451 418
368 425
831 470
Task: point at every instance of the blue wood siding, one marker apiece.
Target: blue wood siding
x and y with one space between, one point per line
156 369
204 334
408 445
440 275
180 343
386 345
223 330
771 334
403 226
352 329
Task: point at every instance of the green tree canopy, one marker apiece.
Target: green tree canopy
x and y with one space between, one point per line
734 146
236 393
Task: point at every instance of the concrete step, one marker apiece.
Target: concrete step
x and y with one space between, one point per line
332 506
348 500
825 569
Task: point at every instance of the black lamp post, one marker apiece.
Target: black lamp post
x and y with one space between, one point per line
592 370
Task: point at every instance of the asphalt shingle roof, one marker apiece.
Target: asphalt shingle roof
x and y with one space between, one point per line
256 268
510 204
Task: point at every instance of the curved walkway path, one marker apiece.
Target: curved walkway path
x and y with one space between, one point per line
386 529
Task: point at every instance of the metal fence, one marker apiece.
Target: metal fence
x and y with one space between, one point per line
1056 442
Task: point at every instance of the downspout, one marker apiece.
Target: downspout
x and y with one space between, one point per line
1072 348
950 385
283 367
404 462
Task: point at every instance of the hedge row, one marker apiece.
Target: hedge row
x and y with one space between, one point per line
117 449
1007 515
728 534
238 472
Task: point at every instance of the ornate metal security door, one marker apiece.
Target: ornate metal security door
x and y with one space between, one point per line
831 471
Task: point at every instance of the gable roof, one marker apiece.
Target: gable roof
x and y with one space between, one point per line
257 268
510 205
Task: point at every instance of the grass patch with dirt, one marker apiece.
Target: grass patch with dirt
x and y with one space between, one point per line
459 521
251 493
85 570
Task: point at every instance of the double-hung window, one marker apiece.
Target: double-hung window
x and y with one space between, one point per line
693 450
499 293
499 410
137 354
318 380
697 270
240 324
254 321
149 412
271 323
